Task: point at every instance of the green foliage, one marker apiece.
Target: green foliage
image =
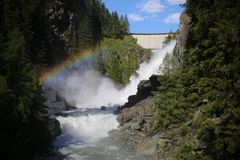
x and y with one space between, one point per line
207 130
91 22
169 64
170 37
208 79
214 50
19 73
187 152
120 58
184 129
23 50
169 106
35 34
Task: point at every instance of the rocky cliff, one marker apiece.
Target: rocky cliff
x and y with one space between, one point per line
185 24
145 89
53 106
136 128
136 117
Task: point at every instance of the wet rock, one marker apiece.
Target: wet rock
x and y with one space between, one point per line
103 108
145 89
50 95
53 126
135 117
56 107
52 155
54 103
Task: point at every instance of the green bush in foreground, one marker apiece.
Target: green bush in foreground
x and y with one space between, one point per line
187 152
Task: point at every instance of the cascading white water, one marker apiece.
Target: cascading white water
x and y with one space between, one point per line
85 130
88 125
89 89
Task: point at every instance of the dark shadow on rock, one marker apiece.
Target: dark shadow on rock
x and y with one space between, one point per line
145 89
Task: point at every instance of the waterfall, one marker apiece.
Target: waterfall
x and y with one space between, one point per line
85 130
89 89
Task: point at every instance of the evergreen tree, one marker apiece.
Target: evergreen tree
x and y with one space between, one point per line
32 36
208 80
23 50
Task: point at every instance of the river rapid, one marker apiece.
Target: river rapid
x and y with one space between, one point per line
85 130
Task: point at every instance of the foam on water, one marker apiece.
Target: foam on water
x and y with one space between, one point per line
90 89
85 131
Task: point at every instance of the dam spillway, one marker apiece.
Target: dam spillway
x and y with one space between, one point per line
150 40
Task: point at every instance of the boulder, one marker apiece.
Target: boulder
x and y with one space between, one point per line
53 126
54 103
136 123
145 89
56 108
142 109
103 108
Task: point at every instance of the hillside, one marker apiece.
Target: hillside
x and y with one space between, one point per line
195 111
35 35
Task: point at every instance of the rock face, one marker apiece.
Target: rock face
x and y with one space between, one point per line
53 127
136 131
59 21
145 89
135 124
135 117
185 24
141 109
54 105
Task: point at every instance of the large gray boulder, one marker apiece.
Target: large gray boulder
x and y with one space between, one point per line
135 124
55 104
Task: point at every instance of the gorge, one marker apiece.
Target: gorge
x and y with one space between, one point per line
85 130
74 83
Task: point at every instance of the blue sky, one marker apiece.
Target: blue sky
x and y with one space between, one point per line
148 16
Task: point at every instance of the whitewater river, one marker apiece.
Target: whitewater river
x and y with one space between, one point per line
85 130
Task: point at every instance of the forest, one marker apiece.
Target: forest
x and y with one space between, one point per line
34 35
207 82
41 33
120 58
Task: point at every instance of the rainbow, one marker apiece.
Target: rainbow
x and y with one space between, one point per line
48 73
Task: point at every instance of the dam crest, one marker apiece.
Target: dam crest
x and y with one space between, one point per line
150 40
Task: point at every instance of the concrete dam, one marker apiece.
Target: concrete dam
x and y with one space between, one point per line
150 40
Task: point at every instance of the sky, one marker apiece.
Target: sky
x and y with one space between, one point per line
148 16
